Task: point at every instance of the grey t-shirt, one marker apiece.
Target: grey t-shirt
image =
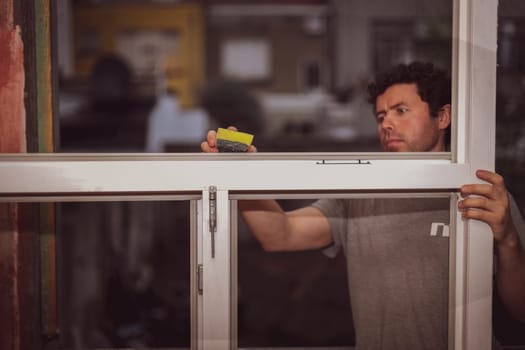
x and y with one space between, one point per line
397 253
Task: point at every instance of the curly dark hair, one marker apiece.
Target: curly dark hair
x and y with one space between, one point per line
433 84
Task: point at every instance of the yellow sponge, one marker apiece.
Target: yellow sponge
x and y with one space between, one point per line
233 141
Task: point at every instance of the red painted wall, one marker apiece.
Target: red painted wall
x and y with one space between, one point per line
13 244
12 111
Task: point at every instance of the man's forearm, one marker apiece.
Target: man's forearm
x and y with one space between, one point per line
510 275
267 221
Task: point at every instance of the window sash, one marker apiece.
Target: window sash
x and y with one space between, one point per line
457 239
88 178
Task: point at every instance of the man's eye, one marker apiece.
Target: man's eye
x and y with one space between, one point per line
401 110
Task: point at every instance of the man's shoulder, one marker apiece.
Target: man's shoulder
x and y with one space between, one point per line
382 206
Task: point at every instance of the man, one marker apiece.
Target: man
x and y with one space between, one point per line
397 265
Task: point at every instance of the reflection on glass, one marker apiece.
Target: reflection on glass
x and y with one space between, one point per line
151 77
385 278
124 274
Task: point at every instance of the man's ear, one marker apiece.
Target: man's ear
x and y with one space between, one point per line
444 118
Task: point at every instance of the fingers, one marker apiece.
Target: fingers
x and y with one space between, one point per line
492 196
482 215
491 212
495 189
482 208
491 177
205 147
476 203
487 202
498 219
477 189
211 138
210 145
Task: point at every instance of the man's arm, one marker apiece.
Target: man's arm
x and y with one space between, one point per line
491 205
275 229
510 275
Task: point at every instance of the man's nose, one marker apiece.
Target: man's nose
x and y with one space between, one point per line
388 122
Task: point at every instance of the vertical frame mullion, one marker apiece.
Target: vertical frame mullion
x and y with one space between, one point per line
234 276
476 102
216 295
457 268
195 230
199 319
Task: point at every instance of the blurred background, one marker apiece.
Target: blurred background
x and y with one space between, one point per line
154 76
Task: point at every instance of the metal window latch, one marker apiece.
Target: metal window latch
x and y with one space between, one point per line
344 162
213 217
200 279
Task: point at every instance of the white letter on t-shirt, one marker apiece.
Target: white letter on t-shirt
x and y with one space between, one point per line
435 227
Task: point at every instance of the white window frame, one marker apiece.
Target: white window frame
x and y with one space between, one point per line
138 177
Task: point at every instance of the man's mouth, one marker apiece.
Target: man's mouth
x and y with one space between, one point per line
392 142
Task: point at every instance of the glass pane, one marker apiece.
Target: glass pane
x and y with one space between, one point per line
384 278
152 77
124 274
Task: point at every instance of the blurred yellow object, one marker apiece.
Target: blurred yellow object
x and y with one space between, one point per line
233 141
145 37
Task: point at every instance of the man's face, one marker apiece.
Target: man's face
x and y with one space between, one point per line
404 123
